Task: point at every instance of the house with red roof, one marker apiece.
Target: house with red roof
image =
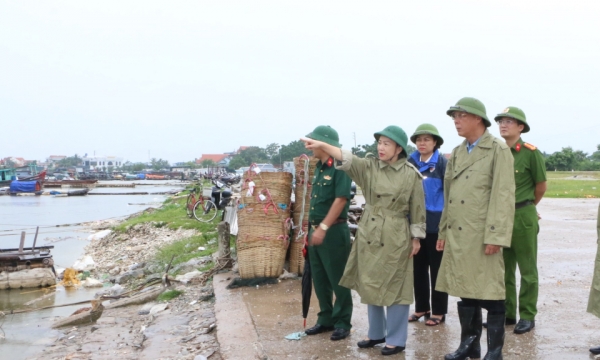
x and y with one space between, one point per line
222 160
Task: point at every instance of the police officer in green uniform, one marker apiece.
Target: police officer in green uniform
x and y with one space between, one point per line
329 239
530 182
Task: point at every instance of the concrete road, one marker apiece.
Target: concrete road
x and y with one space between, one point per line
252 322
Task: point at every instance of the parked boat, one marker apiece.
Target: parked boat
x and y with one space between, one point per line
157 177
22 186
71 183
81 192
27 266
9 175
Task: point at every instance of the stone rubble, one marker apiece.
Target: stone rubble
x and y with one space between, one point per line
181 328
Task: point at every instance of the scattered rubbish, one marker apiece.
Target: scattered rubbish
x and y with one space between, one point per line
296 336
84 263
99 235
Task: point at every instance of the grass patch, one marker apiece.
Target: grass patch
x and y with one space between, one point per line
187 249
207 267
573 184
169 295
562 188
172 215
573 175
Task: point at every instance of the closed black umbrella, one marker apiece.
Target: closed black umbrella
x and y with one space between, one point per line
306 282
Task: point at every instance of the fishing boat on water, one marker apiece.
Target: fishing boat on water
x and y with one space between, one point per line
27 267
157 177
9 175
71 183
80 192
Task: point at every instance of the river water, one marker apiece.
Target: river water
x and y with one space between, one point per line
23 335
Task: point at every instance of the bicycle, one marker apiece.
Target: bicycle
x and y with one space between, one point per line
203 208
191 201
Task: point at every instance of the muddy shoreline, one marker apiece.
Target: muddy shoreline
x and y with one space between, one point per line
180 328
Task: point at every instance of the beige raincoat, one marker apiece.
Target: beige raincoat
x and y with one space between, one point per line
479 198
379 268
594 301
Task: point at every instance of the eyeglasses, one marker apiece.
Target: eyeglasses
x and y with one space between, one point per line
458 115
506 122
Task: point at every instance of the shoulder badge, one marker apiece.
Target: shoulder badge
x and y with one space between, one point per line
530 147
415 169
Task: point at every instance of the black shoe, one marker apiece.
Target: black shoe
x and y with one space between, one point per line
339 334
363 344
595 350
317 329
508 321
524 326
391 351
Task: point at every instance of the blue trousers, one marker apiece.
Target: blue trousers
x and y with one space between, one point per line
392 326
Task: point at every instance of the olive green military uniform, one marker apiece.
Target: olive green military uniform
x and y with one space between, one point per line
529 171
594 301
328 260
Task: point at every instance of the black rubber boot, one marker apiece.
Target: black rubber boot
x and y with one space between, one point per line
470 334
495 337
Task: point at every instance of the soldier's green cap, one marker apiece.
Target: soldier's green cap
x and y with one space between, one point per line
427 129
395 133
515 113
326 134
472 106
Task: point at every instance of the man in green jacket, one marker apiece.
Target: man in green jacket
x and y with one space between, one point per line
477 221
594 300
329 239
530 182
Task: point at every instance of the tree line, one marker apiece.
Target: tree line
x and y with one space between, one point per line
568 159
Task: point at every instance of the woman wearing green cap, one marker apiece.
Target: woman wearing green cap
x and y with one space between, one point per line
380 265
432 165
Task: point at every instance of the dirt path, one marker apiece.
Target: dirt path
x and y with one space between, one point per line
259 318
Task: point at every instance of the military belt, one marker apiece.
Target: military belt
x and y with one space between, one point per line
315 224
523 204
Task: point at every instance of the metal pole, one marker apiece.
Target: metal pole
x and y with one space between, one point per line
37 229
22 242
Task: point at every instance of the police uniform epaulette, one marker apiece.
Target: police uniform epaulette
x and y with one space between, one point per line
530 146
415 169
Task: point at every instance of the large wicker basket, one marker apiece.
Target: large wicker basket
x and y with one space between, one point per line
264 224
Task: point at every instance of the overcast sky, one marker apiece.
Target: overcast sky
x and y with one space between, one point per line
174 80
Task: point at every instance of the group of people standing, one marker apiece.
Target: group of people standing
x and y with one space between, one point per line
431 227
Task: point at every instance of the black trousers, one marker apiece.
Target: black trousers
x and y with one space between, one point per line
425 265
494 307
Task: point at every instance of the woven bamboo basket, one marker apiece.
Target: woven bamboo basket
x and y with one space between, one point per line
264 224
261 258
296 246
278 185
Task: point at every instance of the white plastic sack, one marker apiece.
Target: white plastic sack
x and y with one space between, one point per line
84 264
99 235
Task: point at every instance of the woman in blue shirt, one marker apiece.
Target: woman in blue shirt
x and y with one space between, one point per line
432 165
